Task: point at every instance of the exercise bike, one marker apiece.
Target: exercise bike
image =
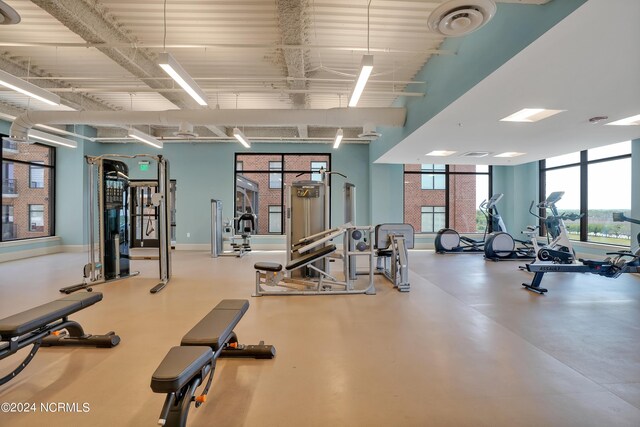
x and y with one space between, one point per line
558 248
449 240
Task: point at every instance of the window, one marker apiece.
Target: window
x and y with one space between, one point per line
596 183
8 227
261 184
433 177
440 196
36 217
275 179
27 174
433 218
36 175
275 219
239 166
316 166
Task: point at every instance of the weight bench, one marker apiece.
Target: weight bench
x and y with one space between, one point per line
186 367
44 326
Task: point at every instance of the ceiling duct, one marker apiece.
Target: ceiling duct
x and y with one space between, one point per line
369 132
8 15
457 18
332 117
185 131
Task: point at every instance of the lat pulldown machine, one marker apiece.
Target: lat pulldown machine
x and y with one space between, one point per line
110 193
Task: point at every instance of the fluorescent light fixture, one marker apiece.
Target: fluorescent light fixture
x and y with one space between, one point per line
237 133
629 121
530 115
365 71
440 153
53 139
338 140
510 154
29 89
177 73
145 138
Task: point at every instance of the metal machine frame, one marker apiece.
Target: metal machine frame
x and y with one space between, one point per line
93 270
392 244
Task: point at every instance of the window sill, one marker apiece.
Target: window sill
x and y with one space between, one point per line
24 242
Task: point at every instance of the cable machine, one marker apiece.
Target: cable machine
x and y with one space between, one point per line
109 187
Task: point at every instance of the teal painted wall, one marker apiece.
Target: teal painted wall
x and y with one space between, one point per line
447 77
519 184
205 171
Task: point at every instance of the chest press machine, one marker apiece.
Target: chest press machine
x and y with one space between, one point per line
45 326
392 243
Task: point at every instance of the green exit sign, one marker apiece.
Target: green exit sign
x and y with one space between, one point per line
144 166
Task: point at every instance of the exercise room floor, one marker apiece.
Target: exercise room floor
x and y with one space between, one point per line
468 346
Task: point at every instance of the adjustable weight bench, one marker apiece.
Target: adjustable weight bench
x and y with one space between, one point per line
44 325
186 367
392 242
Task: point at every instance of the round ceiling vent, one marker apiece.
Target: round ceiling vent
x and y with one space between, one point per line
185 131
8 15
457 18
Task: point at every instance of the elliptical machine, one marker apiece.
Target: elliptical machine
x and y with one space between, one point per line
449 240
559 248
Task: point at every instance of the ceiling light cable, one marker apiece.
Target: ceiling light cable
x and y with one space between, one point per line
164 20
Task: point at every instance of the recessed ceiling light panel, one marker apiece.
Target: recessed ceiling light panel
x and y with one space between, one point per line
440 153
629 121
531 115
510 154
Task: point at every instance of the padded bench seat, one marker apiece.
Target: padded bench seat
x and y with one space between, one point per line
38 317
268 266
310 257
214 329
179 366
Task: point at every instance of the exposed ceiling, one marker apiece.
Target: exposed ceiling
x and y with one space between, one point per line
100 55
588 65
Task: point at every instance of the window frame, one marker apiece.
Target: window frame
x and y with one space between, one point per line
276 172
583 166
448 173
32 166
30 212
51 193
430 173
282 157
269 213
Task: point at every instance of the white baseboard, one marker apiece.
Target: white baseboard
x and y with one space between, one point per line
75 248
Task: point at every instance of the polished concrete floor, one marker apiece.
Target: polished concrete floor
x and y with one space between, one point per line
468 346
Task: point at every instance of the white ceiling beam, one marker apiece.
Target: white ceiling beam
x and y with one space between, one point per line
91 22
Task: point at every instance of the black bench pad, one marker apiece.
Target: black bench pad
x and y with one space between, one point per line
268 266
38 317
310 257
214 329
178 367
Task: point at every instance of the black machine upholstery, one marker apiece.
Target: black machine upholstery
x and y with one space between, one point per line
48 325
310 257
41 316
268 266
215 328
179 366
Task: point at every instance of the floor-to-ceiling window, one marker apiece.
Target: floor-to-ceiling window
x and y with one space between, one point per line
596 183
260 181
27 176
438 196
